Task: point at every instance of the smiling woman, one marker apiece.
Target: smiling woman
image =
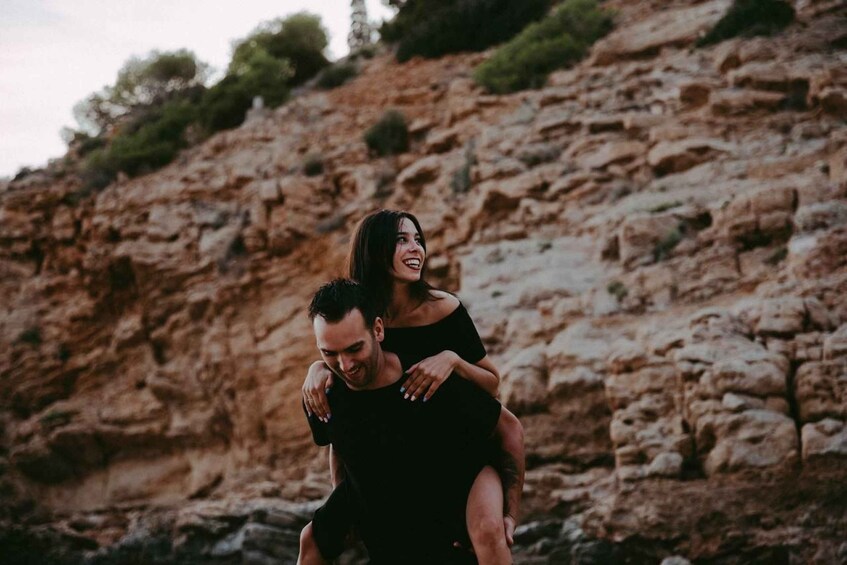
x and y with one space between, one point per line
54 53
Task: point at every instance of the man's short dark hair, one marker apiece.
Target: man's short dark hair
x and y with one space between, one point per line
339 297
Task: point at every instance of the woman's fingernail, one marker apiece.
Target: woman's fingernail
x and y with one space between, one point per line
402 389
424 399
405 397
413 399
326 391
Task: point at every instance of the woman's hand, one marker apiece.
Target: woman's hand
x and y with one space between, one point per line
317 385
509 527
427 375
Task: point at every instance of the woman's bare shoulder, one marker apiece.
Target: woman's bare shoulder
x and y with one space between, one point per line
443 305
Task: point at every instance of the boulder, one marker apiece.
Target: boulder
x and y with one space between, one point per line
677 156
613 152
694 94
835 345
774 76
742 102
824 441
524 386
820 388
733 53
782 316
670 28
754 441
758 217
639 235
422 172
441 141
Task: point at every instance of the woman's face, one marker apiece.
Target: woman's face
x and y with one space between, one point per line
409 254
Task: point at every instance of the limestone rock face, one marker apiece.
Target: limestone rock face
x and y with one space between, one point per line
652 247
677 27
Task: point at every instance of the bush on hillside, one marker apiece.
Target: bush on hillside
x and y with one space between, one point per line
141 83
313 164
148 143
748 18
158 104
433 29
410 14
336 75
390 135
225 104
299 39
557 41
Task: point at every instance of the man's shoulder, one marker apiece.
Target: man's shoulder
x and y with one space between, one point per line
463 390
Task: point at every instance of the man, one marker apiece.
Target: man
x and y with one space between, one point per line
409 466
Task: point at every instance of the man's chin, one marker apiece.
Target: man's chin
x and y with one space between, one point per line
355 382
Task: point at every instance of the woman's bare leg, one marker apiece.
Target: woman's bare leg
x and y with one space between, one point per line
484 518
309 553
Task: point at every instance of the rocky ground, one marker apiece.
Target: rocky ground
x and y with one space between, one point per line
654 248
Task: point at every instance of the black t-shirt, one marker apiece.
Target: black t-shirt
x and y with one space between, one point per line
409 465
455 332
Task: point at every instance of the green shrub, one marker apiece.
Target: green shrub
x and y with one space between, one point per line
410 14
141 84
364 52
31 336
663 248
665 206
433 29
155 143
63 353
777 256
336 75
390 135
557 41
617 289
57 418
147 142
313 164
461 181
225 104
748 18
758 238
96 173
299 40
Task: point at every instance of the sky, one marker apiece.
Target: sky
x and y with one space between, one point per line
53 53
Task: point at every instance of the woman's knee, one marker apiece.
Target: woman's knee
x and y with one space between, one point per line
308 546
487 531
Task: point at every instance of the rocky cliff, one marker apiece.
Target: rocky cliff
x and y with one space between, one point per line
654 248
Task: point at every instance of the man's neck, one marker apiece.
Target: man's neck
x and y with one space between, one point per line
389 371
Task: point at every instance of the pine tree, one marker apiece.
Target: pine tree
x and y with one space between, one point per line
360 29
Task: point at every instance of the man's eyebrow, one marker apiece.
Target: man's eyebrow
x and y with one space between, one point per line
348 348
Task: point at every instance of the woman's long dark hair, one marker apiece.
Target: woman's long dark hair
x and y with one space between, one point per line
372 255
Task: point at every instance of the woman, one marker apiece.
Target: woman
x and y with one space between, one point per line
433 335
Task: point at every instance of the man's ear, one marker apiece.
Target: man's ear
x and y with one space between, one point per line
379 329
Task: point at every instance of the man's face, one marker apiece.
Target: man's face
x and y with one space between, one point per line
349 348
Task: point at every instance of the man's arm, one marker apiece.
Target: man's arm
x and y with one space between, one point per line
509 433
